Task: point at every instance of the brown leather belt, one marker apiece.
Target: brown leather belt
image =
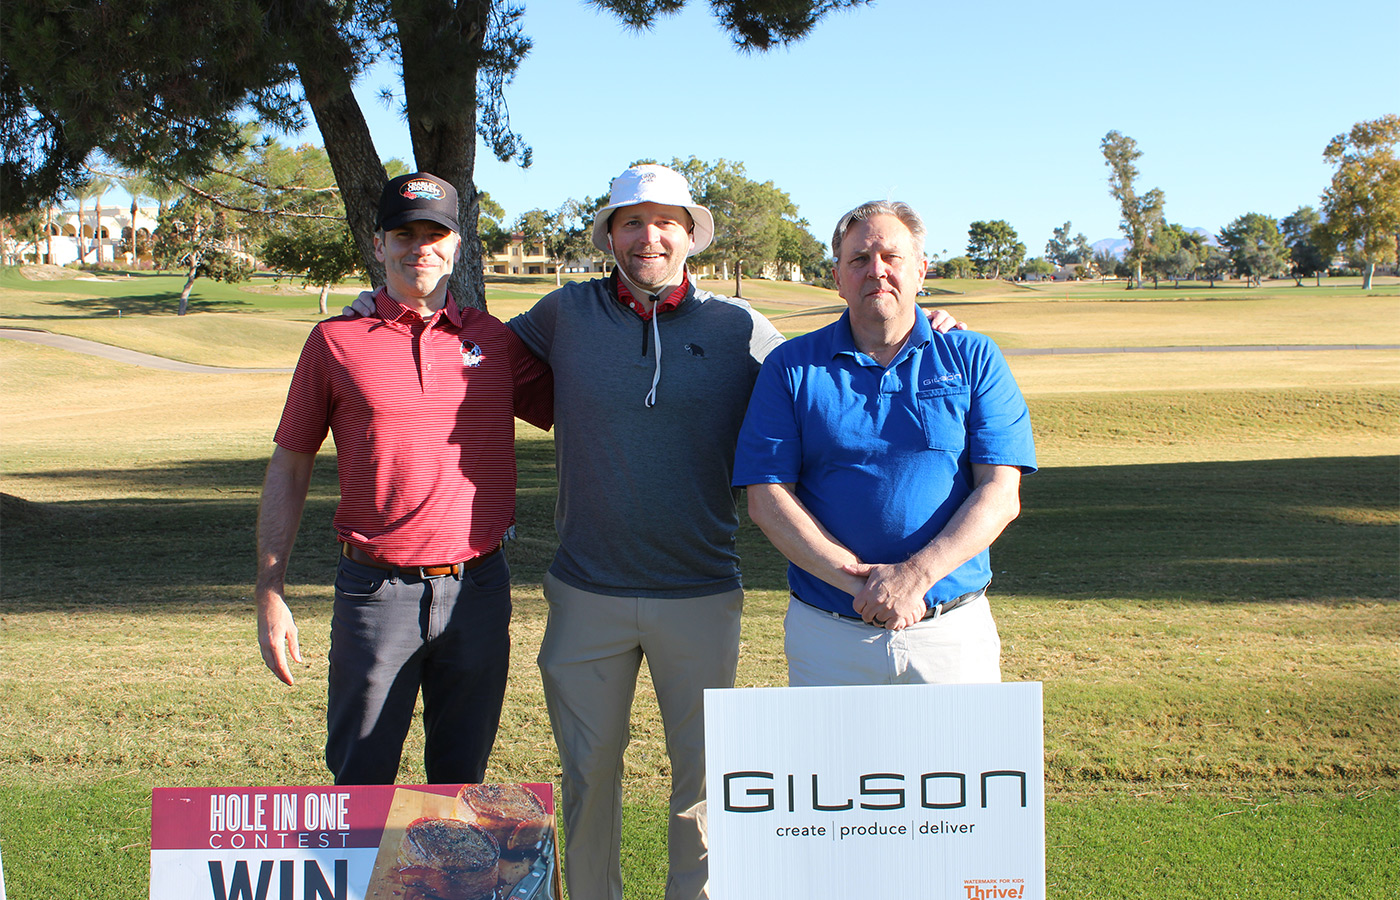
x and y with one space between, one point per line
362 556
949 605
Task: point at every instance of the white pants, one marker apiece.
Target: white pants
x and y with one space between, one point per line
961 647
590 657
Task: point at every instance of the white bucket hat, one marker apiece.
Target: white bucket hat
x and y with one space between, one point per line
653 184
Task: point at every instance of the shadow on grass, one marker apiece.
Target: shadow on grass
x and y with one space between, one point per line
133 305
1287 529
1273 530
1291 529
190 536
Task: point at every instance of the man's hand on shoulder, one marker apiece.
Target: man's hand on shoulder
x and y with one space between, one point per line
363 305
942 321
893 596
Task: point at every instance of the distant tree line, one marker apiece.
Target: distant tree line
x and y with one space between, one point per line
281 206
1357 224
1359 218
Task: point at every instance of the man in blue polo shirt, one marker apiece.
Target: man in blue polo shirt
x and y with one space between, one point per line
882 459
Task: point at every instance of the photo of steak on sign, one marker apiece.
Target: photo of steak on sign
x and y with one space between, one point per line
495 838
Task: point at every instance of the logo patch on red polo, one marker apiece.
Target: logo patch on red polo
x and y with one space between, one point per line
471 354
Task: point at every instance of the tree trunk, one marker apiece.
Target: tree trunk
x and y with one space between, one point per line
442 116
48 235
97 232
189 283
325 292
738 278
1370 274
134 257
324 62
82 239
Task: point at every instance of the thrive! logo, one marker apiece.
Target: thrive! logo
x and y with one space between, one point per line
994 888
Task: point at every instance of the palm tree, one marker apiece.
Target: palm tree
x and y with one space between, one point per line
80 194
99 187
94 189
140 185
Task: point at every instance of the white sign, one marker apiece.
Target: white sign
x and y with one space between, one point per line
910 791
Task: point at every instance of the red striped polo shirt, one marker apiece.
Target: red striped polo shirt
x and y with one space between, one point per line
422 413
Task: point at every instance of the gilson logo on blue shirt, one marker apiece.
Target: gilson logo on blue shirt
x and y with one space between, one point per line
950 378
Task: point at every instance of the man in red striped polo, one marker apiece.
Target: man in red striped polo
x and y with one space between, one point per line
421 399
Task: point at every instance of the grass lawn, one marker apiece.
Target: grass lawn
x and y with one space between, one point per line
1204 577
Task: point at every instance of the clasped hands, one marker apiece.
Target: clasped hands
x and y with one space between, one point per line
893 594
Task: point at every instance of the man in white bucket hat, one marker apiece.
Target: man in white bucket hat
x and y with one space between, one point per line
652 379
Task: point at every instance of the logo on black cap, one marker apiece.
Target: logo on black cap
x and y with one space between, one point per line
421 189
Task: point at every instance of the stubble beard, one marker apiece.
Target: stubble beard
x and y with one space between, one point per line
670 269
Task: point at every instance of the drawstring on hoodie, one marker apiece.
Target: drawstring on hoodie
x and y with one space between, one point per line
656 336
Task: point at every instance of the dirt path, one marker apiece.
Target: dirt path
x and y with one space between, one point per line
118 354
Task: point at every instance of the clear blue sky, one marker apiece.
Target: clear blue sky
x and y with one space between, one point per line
967 111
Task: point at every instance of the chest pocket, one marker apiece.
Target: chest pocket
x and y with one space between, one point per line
943 412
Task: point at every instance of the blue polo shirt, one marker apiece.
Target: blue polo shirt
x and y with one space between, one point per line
883 456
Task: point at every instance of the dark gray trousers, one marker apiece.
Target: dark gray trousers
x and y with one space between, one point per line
393 634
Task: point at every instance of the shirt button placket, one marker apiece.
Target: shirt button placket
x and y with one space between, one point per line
425 354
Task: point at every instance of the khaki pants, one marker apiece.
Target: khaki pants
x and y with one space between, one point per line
961 647
590 657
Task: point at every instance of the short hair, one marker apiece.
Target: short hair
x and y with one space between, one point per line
869 210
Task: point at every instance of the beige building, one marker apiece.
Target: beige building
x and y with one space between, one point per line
105 229
522 259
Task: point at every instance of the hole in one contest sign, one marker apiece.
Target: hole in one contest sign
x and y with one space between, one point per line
382 842
928 791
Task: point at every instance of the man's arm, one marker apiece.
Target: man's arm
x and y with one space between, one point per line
894 593
797 534
283 498
534 384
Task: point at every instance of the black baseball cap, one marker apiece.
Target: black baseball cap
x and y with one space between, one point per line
410 198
